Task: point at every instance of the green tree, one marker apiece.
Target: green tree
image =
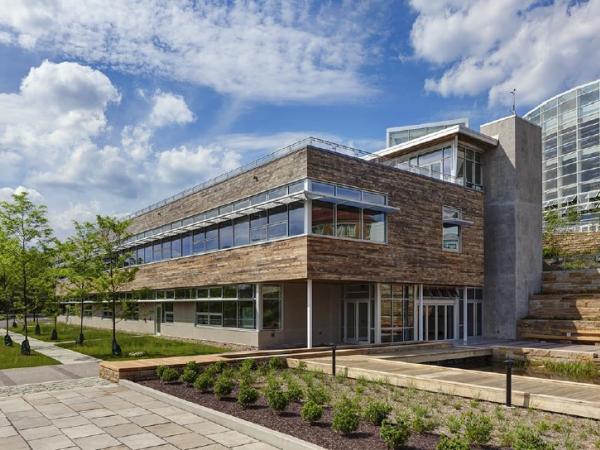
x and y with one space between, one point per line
26 223
49 282
83 266
112 235
8 279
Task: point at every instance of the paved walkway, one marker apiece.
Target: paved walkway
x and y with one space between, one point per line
565 397
104 415
62 355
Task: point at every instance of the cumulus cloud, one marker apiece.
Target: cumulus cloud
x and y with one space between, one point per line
169 109
268 50
538 48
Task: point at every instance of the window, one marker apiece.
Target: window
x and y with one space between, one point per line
87 310
277 222
348 223
451 229
230 314
176 248
322 218
106 311
182 294
148 253
226 235
322 188
349 193
241 231
166 250
199 245
186 245
212 238
167 312
157 252
140 255
374 225
296 219
229 292
131 311
469 167
271 307
258 226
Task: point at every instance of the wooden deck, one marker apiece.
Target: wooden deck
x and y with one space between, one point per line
565 397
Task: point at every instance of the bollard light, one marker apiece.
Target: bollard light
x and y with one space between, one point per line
333 346
509 365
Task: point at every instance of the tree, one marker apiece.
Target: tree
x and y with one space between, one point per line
49 282
8 279
112 235
26 223
83 265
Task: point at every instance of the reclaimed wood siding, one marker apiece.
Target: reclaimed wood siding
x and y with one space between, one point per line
414 251
269 261
284 170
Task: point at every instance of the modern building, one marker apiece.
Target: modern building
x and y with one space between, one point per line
570 124
431 239
399 135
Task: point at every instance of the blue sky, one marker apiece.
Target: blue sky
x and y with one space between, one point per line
107 106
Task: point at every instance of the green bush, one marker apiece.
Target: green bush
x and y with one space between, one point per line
395 435
189 375
421 423
223 386
248 365
247 395
276 363
160 369
311 412
294 390
454 424
527 438
478 428
204 382
318 394
375 412
169 375
452 443
346 417
277 400
192 365
216 368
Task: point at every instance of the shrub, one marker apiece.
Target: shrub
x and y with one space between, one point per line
452 443
421 423
395 435
376 412
311 412
294 390
216 367
192 365
204 382
454 424
526 438
247 395
169 375
276 363
223 386
318 394
478 428
189 375
160 369
345 417
277 400
248 365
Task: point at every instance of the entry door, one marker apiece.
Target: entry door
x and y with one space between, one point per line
356 330
157 318
439 322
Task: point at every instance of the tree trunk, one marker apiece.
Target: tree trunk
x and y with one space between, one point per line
81 338
116 348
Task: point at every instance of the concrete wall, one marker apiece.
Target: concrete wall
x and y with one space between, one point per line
513 228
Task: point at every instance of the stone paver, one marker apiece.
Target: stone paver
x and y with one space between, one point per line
94 415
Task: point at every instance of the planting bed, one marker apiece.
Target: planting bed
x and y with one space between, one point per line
430 415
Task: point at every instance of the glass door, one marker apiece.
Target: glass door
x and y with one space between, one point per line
439 322
357 320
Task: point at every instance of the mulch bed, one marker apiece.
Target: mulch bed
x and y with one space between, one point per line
290 422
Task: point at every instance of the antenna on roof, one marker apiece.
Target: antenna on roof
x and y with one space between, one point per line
514 95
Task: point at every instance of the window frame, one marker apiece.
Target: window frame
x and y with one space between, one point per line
459 216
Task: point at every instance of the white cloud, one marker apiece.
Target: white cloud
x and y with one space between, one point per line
169 109
268 50
195 164
6 193
493 47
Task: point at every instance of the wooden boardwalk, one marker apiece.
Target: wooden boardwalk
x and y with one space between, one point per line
565 397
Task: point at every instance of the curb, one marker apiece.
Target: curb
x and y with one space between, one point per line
271 437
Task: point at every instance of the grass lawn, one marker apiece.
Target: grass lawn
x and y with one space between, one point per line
66 332
10 358
150 346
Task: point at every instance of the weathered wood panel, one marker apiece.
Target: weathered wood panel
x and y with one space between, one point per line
270 261
571 281
569 306
276 173
414 251
569 330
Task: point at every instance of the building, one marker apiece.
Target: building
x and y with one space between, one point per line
399 135
319 243
570 124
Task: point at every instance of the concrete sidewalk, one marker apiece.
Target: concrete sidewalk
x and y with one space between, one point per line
43 374
62 355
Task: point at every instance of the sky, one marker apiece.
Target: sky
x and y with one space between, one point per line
108 106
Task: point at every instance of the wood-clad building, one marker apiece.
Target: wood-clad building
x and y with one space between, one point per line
319 243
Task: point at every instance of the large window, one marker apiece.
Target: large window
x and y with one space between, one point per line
167 312
469 167
230 306
271 307
88 309
451 236
347 221
397 313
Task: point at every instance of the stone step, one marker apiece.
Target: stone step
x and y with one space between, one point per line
571 281
579 306
587 331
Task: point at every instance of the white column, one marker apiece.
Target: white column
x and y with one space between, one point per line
421 313
259 306
465 322
309 308
377 313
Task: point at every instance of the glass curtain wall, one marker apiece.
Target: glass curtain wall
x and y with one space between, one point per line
397 313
